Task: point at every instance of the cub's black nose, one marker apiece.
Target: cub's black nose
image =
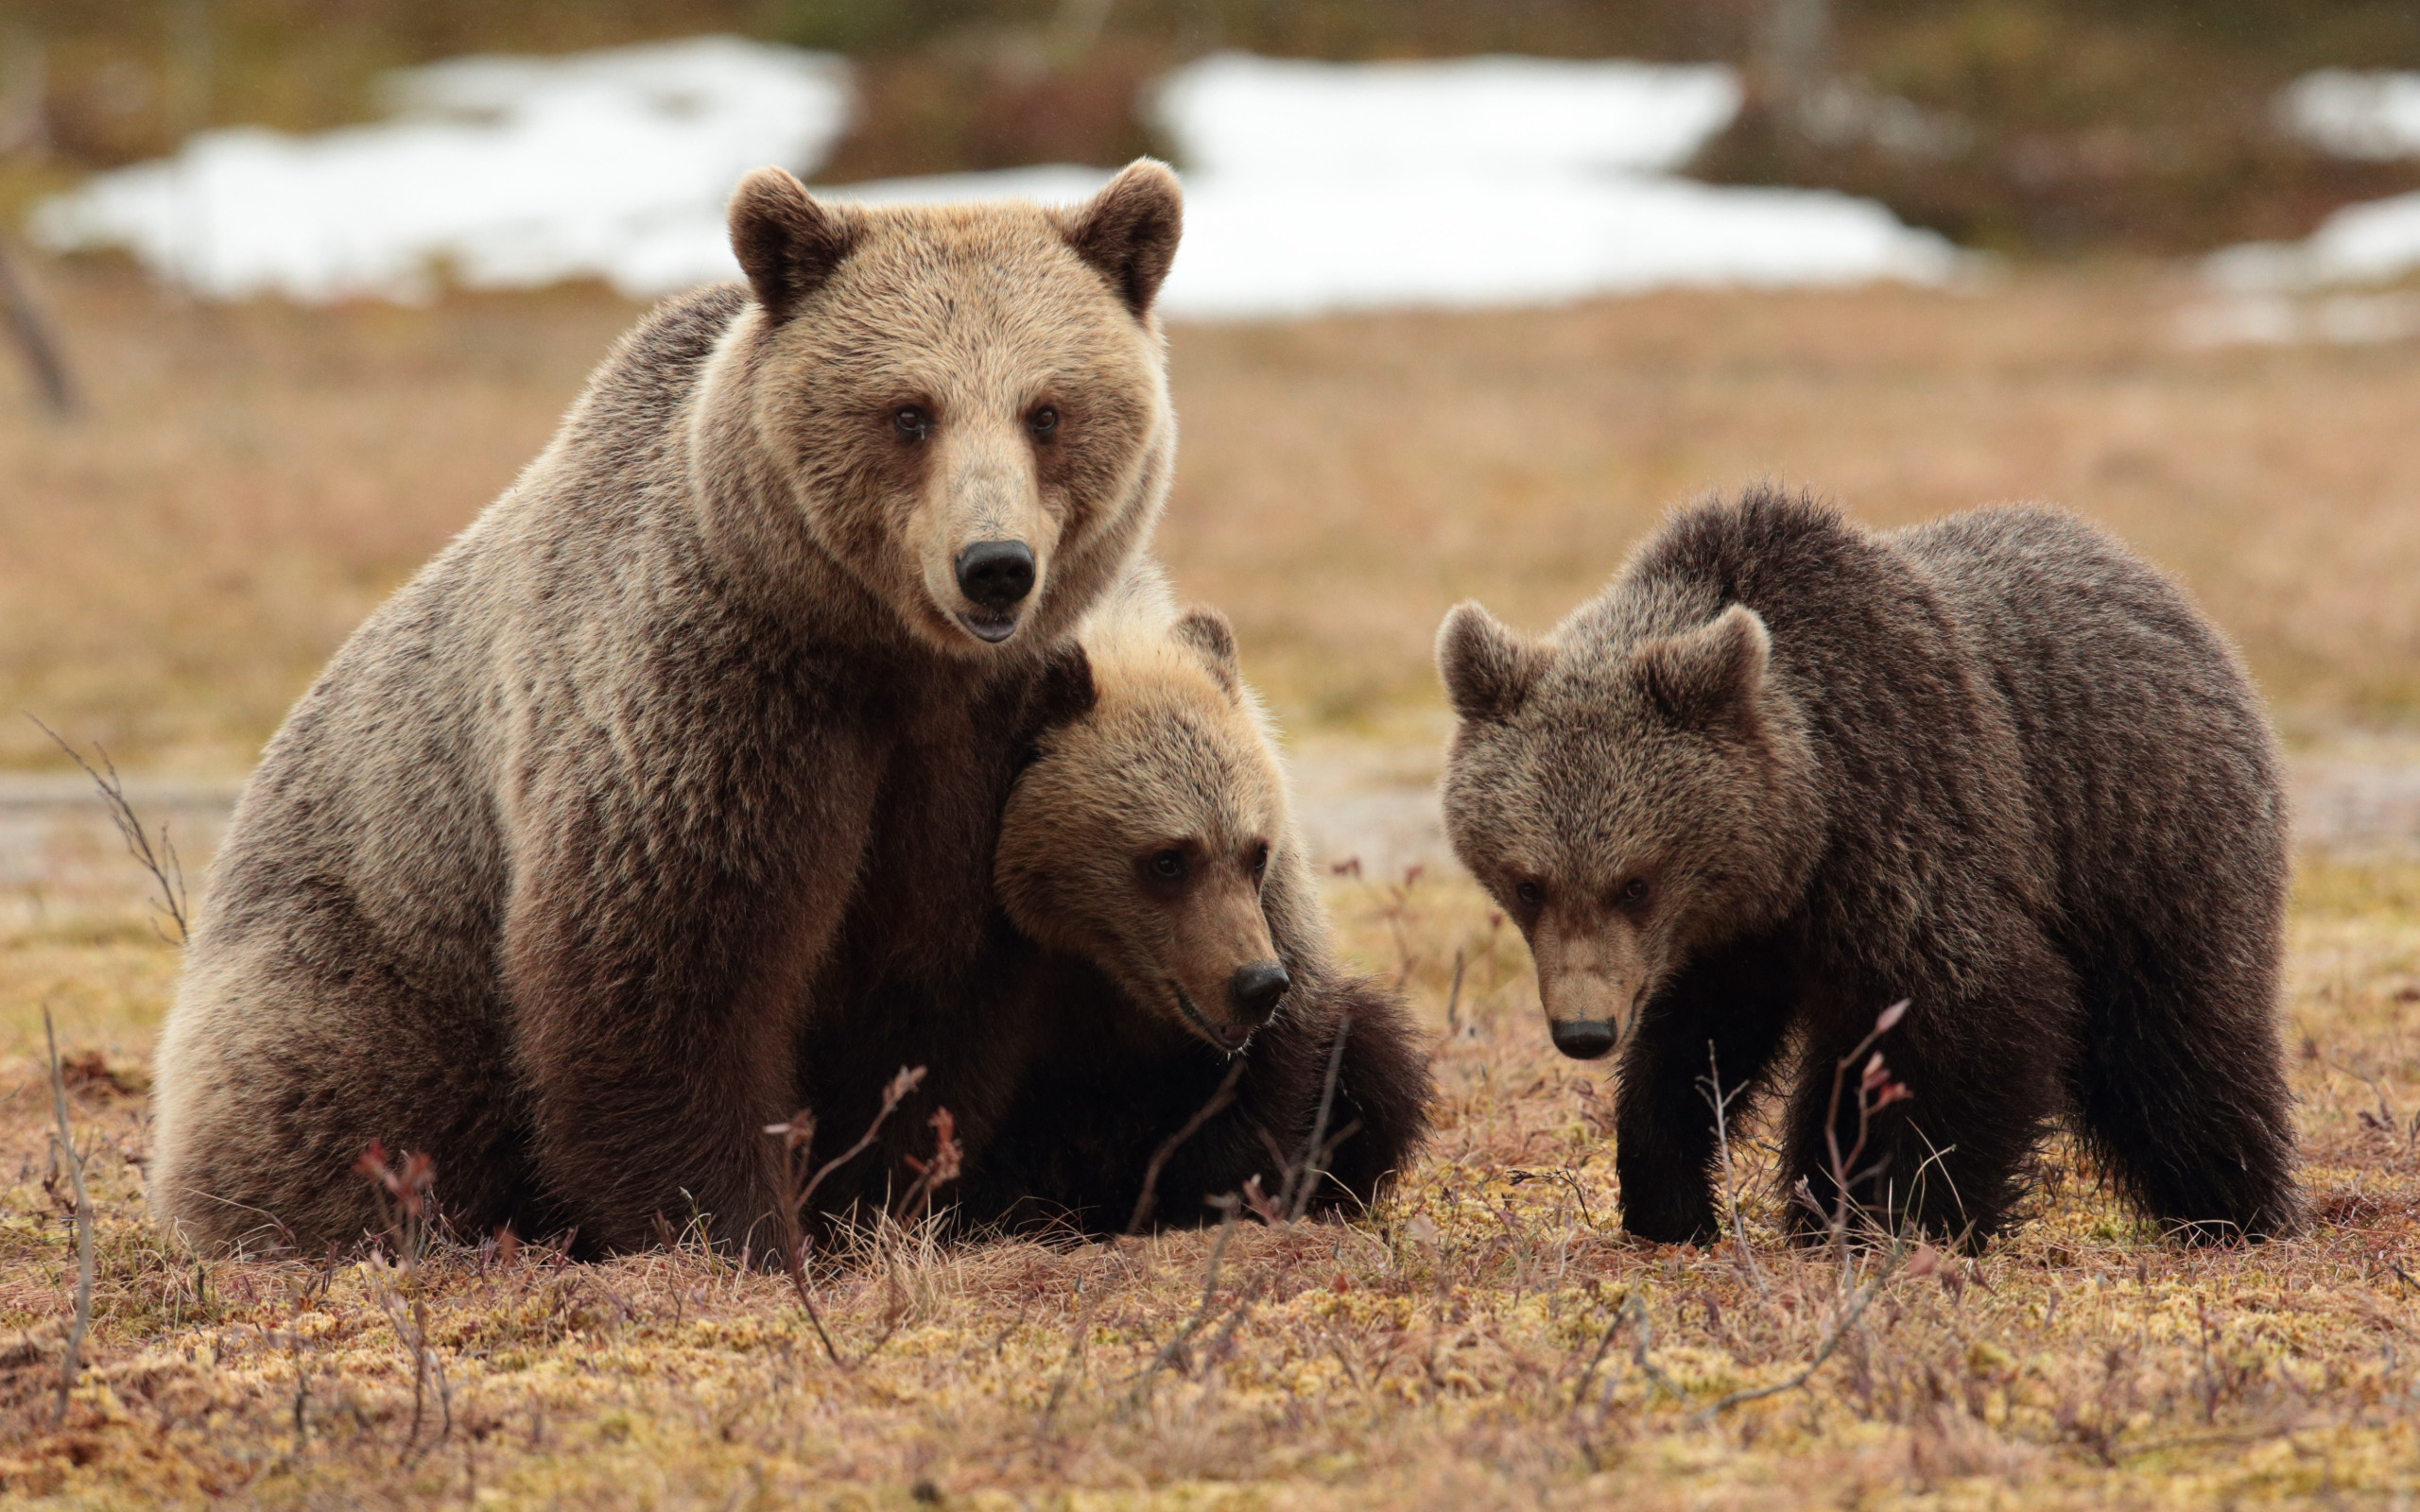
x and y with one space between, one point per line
997 573
1253 990
1583 1039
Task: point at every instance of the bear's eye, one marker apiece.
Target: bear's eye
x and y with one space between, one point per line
1168 865
1530 895
1043 422
1633 891
913 422
1260 860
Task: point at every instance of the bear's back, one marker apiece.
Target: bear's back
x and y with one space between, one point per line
2141 735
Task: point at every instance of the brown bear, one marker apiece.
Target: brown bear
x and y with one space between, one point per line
1159 928
544 871
1783 772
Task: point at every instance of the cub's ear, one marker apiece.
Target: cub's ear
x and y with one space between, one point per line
786 242
1488 669
1207 632
1063 692
1709 674
1129 230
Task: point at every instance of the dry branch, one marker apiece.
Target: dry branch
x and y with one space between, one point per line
167 872
71 1160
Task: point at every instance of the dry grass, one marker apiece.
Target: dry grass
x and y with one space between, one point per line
254 479
1485 1338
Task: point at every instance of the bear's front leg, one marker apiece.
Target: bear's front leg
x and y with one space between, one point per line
655 963
1725 1014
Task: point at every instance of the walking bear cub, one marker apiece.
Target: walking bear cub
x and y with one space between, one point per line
1783 772
1160 930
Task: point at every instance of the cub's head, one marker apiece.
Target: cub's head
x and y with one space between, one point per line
968 403
1142 835
1628 794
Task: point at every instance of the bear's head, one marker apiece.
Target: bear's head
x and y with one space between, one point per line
966 404
1627 792
1143 833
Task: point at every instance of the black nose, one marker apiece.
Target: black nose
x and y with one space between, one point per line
997 573
1583 1039
1253 990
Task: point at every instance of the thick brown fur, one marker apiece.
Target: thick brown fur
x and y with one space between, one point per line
543 873
1096 1024
1785 771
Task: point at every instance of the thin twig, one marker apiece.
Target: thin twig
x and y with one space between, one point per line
1642 1340
1588 1375
798 1136
73 1161
1175 1345
1722 1101
167 872
1148 1197
1315 1154
1863 1298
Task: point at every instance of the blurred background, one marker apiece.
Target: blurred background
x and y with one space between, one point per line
1473 291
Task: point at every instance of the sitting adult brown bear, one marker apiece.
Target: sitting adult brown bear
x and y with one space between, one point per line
1159 929
1783 772
541 875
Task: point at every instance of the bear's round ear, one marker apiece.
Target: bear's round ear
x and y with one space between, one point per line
1129 230
786 242
1208 634
1063 692
1709 674
1488 669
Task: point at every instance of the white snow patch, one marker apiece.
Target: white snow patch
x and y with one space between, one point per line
2372 115
1264 246
1274 246
2372 243
499 172
2355 114
1309 186
1233 112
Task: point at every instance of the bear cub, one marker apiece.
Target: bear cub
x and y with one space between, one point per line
1160 933
1783 771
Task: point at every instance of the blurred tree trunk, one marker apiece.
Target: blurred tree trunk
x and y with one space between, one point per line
1794 55
33 337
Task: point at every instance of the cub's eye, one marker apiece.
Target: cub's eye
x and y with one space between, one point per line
1633 891
1530 895
1043 422
913 422
1168 865
1260 861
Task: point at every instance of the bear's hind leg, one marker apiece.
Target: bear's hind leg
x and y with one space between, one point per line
2179 1087
1980 1069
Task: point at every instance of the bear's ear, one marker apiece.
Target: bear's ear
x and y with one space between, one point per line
1063 692
787 243
1129 230
1710 674
1207 632
1489 670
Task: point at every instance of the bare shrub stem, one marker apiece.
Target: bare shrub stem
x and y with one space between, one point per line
167 872
1721 1101
72 1162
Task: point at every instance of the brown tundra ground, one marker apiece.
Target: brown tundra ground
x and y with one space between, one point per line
248 482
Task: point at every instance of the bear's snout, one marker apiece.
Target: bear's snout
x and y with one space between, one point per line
1583 1039
1253 990
996 575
